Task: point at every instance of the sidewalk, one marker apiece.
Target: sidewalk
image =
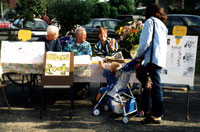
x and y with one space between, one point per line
56 119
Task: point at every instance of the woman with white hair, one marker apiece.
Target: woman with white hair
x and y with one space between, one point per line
51 39
79 45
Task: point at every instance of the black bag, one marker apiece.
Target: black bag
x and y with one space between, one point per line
142 72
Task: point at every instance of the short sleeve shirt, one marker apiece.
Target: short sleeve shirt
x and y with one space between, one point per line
110 76
51 45
83 49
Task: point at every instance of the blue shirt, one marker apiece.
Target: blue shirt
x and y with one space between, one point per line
110 76
51 45
83 49
160 42
99 49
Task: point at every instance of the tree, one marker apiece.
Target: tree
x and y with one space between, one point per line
123 6
26 9
70 12
114 13
101 10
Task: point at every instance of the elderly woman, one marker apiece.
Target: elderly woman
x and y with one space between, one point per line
79 45
51 41
105 46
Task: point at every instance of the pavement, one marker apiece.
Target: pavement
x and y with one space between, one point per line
56 119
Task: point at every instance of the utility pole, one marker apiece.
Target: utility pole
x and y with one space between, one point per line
182 6
157 2
1 9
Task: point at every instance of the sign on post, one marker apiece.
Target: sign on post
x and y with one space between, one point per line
58 68
181 58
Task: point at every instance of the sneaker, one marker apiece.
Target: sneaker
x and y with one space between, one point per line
140 114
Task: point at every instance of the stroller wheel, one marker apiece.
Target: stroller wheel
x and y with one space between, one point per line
96 112
106 107
125 119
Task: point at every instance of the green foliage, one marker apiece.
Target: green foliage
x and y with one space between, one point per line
28 8
70 12
101 10
9 14
123 7
114 13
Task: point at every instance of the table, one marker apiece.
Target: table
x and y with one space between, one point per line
94 74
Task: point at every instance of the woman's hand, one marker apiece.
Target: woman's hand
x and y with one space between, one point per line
101 64
110 46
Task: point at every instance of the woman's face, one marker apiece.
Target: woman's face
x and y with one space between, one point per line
81 36
52 36
103 36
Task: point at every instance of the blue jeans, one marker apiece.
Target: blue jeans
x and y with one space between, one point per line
152 101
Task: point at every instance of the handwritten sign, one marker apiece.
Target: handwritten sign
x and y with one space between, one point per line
178 32
58 68
24 35
57 64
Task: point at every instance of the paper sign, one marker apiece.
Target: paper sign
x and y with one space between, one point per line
82 59
179 31
58 69
22 52
57 64
24 35
180 65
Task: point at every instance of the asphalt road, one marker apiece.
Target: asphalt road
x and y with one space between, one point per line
56 118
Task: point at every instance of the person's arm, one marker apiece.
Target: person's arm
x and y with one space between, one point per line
58 46
101 64
113 45
66 47
90 50
145 38
97 48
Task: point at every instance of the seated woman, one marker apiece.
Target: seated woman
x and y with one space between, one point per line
52 43
105 46
80 47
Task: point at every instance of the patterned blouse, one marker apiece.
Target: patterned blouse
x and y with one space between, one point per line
105 50
83 49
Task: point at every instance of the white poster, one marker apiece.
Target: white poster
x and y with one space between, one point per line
181 59
57 64
22 52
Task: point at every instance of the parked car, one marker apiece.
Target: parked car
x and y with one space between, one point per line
94 25
130 17
192 22
4 23
37 26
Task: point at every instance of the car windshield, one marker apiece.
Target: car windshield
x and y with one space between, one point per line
31 24
4 21
35 25
109 24
89 24
192 21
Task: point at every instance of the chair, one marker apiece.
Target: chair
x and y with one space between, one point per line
3 89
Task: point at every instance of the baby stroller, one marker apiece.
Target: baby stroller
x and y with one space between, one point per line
120 97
